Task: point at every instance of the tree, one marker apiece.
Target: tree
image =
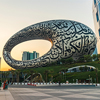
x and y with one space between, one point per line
85 68
3 74
46 73
7 74
66 70
63 60
81 69
17 73
81 59
13 73
51 71
25 72
94 56
98 56
31 73
87 58
53 63
96 70
59 78
69 60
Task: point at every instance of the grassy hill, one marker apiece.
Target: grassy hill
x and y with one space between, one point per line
71 77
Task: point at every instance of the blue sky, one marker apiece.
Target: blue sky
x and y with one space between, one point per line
18 14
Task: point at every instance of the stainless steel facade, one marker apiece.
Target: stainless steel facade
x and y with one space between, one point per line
68 38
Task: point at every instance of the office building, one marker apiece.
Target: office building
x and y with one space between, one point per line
96 17
29 56
37 55
25 55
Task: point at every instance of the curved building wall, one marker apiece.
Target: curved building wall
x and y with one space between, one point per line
68 38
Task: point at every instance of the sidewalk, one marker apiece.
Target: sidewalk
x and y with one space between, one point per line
45 92
5 95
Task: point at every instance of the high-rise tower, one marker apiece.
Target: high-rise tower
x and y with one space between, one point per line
25 55
29 56
96 16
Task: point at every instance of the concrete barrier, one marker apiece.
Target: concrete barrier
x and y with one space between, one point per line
51 84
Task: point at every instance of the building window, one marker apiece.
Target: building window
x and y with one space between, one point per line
99 32
97 17
94 2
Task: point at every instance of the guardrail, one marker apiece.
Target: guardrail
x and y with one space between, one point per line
50 84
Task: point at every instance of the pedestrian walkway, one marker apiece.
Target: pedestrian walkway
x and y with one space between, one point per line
5 95
55 93
63 92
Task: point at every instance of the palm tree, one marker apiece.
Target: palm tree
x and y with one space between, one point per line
85 68
96 70
3 75
17 73
37 76
51 72
46 73
7 74
13 73
31 73
81 69
25 72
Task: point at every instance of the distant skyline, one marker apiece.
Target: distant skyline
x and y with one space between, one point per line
16 15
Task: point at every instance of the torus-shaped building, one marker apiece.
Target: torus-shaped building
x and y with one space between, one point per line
68 38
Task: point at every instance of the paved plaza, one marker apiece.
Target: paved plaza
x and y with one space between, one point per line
70 92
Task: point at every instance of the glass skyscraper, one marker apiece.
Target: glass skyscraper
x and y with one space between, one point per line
29 56
96 16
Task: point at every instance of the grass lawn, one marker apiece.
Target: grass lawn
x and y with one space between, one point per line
70 76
